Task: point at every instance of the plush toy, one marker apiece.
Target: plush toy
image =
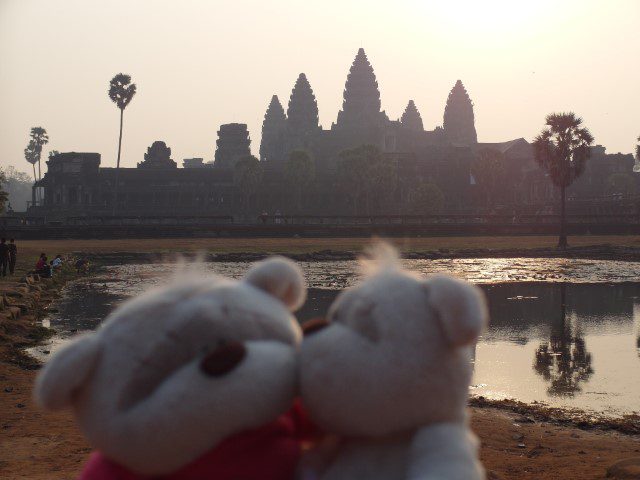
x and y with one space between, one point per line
389 373
189 381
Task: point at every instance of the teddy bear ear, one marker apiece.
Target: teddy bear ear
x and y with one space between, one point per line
281 278
66 372
461 308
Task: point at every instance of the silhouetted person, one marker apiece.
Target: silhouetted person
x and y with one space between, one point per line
13 255
4 256
42 267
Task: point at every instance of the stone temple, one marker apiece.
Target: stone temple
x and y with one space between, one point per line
76 184
442 155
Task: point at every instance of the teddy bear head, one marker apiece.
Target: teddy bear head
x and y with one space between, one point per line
175 371
393 354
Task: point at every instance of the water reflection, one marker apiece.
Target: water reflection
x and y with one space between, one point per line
571 345
563 361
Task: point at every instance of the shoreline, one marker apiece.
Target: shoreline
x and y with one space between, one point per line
593 252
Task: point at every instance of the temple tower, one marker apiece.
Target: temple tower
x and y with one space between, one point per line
273 132
459 123
361 104
411 118
158 156
302 113
233 144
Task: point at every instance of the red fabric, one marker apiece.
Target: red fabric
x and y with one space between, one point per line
267 453
40 264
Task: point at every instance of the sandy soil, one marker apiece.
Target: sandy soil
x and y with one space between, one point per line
38 445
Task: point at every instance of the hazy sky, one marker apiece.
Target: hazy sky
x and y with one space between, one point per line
200 63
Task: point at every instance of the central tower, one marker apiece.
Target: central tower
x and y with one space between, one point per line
361 104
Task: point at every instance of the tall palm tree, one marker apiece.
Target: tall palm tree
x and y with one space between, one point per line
30 154
121 92
40 138
562 149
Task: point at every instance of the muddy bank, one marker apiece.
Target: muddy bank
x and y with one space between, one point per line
23 304
593 252
574 418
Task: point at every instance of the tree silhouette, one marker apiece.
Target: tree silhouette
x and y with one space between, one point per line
18 186
562 149
426 199
488 170
39 138
4 196
121 92
247 176
636 167
563 361
31 156
299 173
363 173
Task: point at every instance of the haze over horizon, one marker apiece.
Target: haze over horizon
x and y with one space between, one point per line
199 64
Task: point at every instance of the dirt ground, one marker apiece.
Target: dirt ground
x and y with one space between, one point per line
48 446
30 249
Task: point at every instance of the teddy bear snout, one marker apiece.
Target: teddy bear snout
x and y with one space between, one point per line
314 325
223 359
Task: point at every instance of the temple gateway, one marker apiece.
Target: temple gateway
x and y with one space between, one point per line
76 185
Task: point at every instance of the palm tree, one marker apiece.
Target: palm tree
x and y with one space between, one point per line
31 155
39 138
562 149
121 92
564 360
299 173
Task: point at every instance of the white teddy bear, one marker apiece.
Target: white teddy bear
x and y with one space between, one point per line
174 374
389 373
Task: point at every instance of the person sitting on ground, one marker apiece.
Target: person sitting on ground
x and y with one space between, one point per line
43 268
57 262
42 261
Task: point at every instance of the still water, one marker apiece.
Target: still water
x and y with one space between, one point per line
563 332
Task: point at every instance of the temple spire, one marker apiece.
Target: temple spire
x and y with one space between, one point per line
302 113
411 118
361 104
273 130
459 122
233 144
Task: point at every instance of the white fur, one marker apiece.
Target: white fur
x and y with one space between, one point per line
394 363
136 385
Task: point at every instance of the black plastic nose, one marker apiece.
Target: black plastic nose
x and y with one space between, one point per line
314 325
223 359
